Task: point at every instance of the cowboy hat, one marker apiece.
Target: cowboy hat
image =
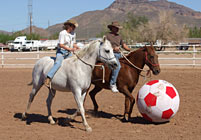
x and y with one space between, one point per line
71 21
114 24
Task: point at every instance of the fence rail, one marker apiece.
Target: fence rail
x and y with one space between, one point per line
171 56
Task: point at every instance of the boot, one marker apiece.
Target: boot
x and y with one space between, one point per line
47 82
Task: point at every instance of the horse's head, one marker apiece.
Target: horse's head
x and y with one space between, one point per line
106 54
151 59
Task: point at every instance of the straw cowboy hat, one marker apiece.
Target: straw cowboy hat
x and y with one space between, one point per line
72 22
114 24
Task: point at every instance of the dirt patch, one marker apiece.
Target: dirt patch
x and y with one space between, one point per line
14 94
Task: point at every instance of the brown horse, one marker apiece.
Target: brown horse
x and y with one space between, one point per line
128 76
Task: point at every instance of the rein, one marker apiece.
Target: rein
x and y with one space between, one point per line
92 66
147 71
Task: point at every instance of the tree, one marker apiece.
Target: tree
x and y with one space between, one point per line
4 38
194 32
131 28
54 36
166 30
140 29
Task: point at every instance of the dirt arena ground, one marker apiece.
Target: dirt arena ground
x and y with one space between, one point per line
14 93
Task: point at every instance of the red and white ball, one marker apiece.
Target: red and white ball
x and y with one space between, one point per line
158 101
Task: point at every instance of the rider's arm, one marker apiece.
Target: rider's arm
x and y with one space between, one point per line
67 47
63 44
75 46
126 47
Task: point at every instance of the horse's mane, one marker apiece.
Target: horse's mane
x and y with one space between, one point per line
133 52
140 49
89 47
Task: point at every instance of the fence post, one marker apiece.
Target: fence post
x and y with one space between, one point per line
194 57
2 57
38 55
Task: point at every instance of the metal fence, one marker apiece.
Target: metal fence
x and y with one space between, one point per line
22 59
171 56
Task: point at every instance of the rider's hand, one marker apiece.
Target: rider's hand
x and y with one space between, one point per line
117 49
72 50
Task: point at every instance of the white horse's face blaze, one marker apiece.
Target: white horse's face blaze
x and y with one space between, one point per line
106 54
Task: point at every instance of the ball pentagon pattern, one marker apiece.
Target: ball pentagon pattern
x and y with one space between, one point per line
158 101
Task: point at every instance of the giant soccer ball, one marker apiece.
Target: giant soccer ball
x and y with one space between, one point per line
158 101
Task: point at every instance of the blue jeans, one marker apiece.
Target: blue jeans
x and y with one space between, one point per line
60 56
115 72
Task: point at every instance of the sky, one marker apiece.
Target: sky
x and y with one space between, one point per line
14 13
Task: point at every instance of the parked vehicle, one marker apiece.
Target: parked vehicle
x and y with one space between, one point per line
49 44
17 44
183 46
22 44
31 45
158 45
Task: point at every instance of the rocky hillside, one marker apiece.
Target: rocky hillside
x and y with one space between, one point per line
40 31
4 32
91 23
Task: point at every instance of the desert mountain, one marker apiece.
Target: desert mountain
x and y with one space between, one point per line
4 32
40 31
91 23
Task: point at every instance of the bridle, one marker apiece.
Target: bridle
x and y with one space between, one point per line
100 56
146 58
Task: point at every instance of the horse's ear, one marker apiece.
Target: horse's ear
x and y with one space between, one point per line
104 38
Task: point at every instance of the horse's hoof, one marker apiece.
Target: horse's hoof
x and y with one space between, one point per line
89 129
24 116
126 118
52 122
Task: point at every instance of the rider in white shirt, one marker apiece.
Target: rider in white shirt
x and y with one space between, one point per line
66 45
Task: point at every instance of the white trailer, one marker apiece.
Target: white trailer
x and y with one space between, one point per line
31 45
49 44
17 44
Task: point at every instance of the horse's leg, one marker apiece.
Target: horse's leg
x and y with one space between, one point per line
33 93
129 102
77 112
80 103
127 105
132 102
92 94
50 97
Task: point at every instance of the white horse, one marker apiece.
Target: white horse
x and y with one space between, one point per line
74 75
